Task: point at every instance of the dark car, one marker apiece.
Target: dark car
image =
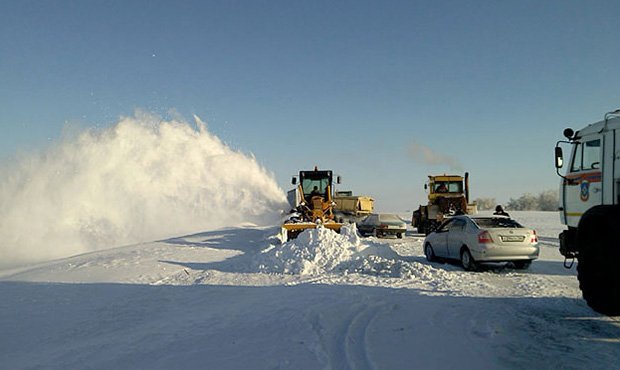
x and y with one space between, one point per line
382 224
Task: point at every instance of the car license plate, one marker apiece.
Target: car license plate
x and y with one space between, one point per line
512 238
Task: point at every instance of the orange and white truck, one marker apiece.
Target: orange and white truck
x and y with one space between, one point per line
590 208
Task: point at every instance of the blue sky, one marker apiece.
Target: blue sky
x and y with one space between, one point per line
346 85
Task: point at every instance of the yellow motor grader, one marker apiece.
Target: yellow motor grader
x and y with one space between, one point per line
312 203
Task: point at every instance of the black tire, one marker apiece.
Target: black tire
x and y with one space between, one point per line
599 277
429 253
468 262
416 218
522 264
399 235
421 229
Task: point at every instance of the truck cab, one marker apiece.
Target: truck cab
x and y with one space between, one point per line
315 183
589 198
582 186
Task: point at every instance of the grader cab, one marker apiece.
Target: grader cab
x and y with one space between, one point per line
312 203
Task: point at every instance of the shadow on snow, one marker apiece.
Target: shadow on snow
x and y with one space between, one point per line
307 326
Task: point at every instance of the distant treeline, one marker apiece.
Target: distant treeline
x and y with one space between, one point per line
545 201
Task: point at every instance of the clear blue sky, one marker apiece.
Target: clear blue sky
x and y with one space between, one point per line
347 85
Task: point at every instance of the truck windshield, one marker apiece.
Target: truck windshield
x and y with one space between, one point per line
448 187
309 184
587 156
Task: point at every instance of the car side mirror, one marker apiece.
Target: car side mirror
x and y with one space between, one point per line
559 158
294 180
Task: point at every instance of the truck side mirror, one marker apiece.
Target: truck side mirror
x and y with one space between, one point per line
294 180
559 158
425 187
338 179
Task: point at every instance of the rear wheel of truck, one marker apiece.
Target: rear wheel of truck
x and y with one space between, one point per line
599 277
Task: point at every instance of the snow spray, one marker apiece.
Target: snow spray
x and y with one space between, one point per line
139 180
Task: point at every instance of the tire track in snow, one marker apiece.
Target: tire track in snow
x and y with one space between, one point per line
356 340
343 338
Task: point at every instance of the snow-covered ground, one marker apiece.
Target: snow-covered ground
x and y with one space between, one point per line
238 298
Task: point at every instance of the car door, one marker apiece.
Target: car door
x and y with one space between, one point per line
440 239
582 185
456 237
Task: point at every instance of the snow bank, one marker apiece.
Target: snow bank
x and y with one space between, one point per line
139 180
320 251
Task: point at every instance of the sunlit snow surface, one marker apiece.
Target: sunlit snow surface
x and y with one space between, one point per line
238 298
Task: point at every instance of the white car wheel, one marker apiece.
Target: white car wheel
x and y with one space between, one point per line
429 253
467 260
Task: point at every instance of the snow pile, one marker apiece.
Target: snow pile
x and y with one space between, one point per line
319 251
139 180
322 251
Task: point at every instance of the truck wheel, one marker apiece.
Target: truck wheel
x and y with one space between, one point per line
415 218
399 235
597 271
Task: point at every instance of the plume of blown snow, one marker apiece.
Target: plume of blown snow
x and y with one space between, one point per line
139 180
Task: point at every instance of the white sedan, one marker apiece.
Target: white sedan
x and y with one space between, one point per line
482 239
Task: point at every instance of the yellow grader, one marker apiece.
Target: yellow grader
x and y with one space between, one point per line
312 203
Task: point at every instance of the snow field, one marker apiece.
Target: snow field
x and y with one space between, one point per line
236 298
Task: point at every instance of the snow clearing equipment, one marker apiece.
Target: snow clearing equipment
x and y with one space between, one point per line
352 208
312 203
590 208
447 195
